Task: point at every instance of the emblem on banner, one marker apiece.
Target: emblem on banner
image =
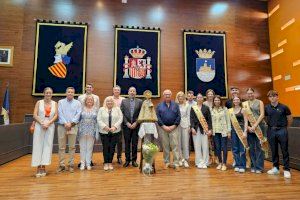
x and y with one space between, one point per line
137 67
205 65
59 68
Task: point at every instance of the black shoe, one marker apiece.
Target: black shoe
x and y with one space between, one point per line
126 164
92 164
134 164
120 161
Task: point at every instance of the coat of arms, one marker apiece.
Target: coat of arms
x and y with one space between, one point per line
61 59
137 67
205 65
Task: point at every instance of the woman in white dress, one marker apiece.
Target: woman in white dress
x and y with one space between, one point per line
45 114
183 129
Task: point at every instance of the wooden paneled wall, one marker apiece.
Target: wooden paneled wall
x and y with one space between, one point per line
284 26
244 21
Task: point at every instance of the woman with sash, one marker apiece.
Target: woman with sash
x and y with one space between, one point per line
201 128
221 131
255 114
44 114
210 94
183 129
239 124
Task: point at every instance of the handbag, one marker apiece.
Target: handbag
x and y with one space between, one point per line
31 129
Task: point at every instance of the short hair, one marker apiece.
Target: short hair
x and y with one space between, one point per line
167 90
70 88
234 87
190 92
109 98
116 86
131 87
250 89
90 84
210 90
272 93
47 88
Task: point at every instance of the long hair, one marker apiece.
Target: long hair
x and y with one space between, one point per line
217 97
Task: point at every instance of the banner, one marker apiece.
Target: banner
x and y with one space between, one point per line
137 60
60 58
205 62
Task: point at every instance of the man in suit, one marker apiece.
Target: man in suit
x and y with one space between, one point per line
131 108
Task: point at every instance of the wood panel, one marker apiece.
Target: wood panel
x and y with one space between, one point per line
247 40
18 182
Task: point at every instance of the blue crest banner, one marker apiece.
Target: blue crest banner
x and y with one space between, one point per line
60 58
205 62
137 60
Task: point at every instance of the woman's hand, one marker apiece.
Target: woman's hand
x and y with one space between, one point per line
245 134
106 128
193 131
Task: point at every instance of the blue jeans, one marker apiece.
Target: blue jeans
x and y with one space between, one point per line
256 153
238 151
220 146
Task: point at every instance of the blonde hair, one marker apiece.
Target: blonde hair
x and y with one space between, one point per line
87 97
109 98
180 93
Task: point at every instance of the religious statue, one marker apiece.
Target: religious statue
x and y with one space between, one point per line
147 113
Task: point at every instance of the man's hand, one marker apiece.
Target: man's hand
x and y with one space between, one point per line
166 128
172 128
134 125
129 125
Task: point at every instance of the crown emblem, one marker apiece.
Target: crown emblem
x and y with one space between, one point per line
205 53
137 52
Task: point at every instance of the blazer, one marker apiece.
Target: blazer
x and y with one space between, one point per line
116 119
125 108
194 119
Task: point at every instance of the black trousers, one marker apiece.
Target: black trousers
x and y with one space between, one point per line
109 142
119 145
131 141
275 137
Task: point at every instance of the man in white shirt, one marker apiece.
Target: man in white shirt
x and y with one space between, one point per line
89 91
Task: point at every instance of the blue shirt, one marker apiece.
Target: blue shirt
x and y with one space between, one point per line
69 111
168 115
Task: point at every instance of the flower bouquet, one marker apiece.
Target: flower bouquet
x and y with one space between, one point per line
149 151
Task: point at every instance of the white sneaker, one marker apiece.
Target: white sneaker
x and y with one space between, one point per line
89 168
180 163
258 171
233 164
236 169
186 164
82 166
204 166
105 167
287 174
110 167
242 170
252 170
273 171
200 166
219 167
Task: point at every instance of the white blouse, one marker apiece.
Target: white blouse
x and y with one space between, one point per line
116 119
185 115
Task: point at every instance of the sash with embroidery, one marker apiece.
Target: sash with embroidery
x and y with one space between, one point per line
239 132
201 118
251 118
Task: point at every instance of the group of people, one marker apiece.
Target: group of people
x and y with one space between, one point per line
208 123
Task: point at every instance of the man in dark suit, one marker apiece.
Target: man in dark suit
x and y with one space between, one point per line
131 108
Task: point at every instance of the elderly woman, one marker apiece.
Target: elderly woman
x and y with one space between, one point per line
183 129
45 114
87 132
109 118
